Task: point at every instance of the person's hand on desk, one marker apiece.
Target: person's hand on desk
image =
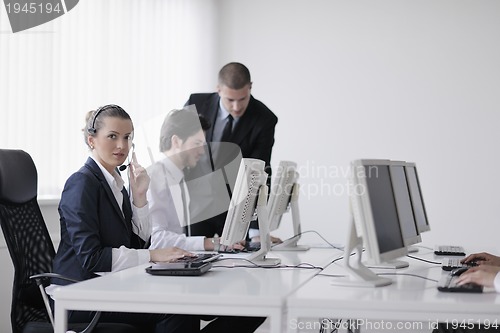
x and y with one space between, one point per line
482 258
168 254
483 275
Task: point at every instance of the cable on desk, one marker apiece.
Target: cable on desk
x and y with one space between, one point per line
409 274
331 275
303 265
312 231
342 257
424 260
424 247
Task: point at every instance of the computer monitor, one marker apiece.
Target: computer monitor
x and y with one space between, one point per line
402 195
249 202
406 214
284 197
416 197
375 223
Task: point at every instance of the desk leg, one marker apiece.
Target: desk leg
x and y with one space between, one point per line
61 318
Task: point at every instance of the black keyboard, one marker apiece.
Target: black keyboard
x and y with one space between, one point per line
452 263
448 284
200 258
449 250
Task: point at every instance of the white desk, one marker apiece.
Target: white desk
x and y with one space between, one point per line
407 299
221 291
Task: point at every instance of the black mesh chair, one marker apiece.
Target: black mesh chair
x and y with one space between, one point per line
31 249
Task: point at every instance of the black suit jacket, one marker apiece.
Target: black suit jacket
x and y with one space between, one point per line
92 224
253 133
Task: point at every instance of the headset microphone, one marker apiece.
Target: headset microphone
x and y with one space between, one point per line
123 167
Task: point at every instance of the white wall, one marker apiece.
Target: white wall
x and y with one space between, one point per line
409 80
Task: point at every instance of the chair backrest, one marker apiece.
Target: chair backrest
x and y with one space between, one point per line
26 235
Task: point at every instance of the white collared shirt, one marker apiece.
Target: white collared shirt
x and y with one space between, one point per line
167 210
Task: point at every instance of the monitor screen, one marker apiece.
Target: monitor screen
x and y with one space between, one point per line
281 192
417 198
388 233
403 203
242 207
375 223
248 203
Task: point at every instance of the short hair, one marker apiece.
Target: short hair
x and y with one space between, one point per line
94 118
234 76
184 123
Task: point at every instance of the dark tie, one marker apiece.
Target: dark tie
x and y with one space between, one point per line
126 207
226 133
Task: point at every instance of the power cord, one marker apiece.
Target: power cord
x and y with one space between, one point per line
317 233
254 265
409 274
424 260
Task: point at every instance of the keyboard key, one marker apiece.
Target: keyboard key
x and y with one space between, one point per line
449 264
449 250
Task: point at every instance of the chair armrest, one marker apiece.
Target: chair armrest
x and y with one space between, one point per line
39 277
39 281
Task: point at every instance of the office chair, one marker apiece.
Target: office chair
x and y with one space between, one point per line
32 250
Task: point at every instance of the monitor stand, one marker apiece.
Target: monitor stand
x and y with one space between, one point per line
259 258
291 244
412 249
359 274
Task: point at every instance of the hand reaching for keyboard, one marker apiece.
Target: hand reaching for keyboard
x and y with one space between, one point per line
483 275
482 258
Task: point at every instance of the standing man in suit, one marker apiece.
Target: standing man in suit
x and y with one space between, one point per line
235 116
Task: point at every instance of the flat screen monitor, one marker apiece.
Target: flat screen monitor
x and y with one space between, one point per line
281 192
375 224
284 197
404 206
248 203
416 197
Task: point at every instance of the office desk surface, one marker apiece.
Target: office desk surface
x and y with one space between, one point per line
221 291
408 298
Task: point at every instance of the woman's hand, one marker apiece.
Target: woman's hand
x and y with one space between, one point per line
168 254
139 182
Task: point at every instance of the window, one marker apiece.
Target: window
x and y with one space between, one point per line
145 56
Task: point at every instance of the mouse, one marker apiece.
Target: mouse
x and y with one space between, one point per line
458 271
